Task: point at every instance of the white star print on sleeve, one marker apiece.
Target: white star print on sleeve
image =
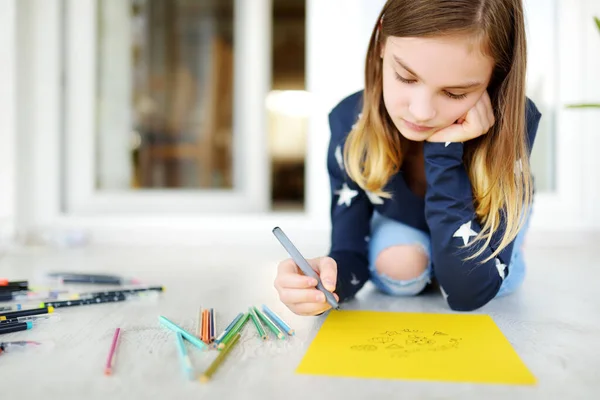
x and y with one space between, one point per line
501 268
444 293
339 157
470 272
346 195
465 232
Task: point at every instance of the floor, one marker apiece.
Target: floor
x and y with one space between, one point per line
553 323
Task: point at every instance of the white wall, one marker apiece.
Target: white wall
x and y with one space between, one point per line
114 91
7 118
38 85
338 33
592 117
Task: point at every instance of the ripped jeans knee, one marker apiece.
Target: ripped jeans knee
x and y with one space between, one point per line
387 234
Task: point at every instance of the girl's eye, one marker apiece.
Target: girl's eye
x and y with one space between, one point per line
456 96
451 95
401 79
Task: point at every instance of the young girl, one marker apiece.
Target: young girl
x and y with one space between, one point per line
429 165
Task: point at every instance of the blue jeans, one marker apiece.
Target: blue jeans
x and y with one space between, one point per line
387 232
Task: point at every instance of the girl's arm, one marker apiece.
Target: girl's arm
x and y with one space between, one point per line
450 214
351 213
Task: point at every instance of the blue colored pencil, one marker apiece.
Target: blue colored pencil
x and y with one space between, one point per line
231 325
212 325
284 327
186 363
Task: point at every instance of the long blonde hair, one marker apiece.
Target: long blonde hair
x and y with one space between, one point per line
374 149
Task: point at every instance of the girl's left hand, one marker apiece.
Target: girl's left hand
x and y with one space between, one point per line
476 122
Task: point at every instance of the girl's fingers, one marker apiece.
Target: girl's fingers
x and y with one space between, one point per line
308 309
297 296
294 281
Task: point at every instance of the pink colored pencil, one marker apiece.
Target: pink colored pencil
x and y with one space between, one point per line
111 353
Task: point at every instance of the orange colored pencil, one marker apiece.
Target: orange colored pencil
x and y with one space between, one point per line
206 326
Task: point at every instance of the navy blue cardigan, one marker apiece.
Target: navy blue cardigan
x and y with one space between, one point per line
446 213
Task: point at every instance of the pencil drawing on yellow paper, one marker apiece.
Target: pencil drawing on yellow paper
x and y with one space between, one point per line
417 346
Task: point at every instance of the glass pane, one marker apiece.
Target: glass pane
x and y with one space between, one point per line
541 87
287 105
165 94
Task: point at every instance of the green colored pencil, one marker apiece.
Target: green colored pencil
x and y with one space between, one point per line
276 331
236 329
257 324
205 377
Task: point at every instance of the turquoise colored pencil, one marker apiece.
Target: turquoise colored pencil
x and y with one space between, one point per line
276 331
275 318
229 327
186 363
187 336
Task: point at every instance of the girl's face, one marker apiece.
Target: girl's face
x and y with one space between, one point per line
430 83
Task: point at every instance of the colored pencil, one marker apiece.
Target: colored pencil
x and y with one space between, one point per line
188 336
111 353
210 371
277 319
213 328
184 357
257 324
205 323
236 329
229 327
276 331
208 326
199 328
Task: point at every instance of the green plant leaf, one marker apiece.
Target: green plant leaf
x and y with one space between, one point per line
597 23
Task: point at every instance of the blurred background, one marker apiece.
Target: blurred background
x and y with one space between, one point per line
186 121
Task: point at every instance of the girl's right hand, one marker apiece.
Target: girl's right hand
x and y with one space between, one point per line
298 291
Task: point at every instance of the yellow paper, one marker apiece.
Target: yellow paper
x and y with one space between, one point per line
393 345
